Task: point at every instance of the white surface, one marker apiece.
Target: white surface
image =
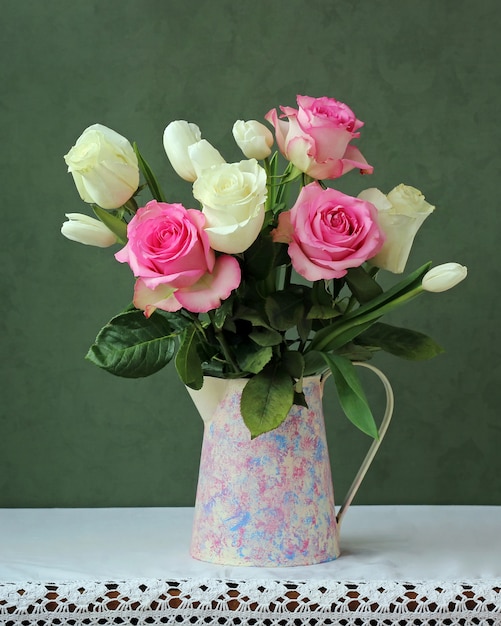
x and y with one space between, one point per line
398 543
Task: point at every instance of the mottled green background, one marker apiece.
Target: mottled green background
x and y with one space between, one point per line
424 75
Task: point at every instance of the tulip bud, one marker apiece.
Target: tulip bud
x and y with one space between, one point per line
178 137
444 277
104 167
253 138
203 155
187 152
87 230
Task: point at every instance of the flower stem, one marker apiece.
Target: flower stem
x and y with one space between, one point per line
131 206
270 175
356 319
287 276
221 339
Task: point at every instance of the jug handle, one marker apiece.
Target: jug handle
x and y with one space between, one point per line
369 457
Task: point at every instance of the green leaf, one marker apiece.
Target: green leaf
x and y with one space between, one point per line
320 293
304 327
355 352
323 304
188 364
285 308
221 313
215 369
343 335
401 342
177 322
266 400
322 312
117 226
265 336
351 394
355 322
293 363
362 285
314 363
259 259
251 357
149 177
391 298
132 346
253 316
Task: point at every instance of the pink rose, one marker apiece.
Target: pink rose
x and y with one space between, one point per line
170 255
328 232
316 137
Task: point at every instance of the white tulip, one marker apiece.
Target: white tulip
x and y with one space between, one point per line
104 167
178 137
187 152
444 277
400 215
203 155
87 230
253 138
233 197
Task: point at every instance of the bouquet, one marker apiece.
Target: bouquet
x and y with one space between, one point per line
272 276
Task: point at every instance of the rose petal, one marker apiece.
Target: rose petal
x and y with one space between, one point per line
309 270
331 232
281 128
210 290
150 299
284 232
167 244
353 159
242 234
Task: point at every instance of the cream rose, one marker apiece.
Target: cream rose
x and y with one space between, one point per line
104 167
400 215
232 197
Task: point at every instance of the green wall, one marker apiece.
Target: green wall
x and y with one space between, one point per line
424 75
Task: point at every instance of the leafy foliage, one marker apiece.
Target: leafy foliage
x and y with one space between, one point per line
274 329
132 346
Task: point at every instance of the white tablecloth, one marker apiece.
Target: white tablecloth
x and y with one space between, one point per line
90 566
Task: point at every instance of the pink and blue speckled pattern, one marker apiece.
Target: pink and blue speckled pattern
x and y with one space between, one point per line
267 501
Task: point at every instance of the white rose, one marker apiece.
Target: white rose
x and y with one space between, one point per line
400 215
187 152
87 230
233 197
104 167
444 277
253 138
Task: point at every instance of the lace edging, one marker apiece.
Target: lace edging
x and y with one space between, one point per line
270 602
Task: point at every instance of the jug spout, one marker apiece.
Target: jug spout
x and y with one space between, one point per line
208 398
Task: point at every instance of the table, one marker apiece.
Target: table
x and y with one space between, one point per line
399 565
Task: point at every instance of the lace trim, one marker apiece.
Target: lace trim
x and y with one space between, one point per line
256 602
